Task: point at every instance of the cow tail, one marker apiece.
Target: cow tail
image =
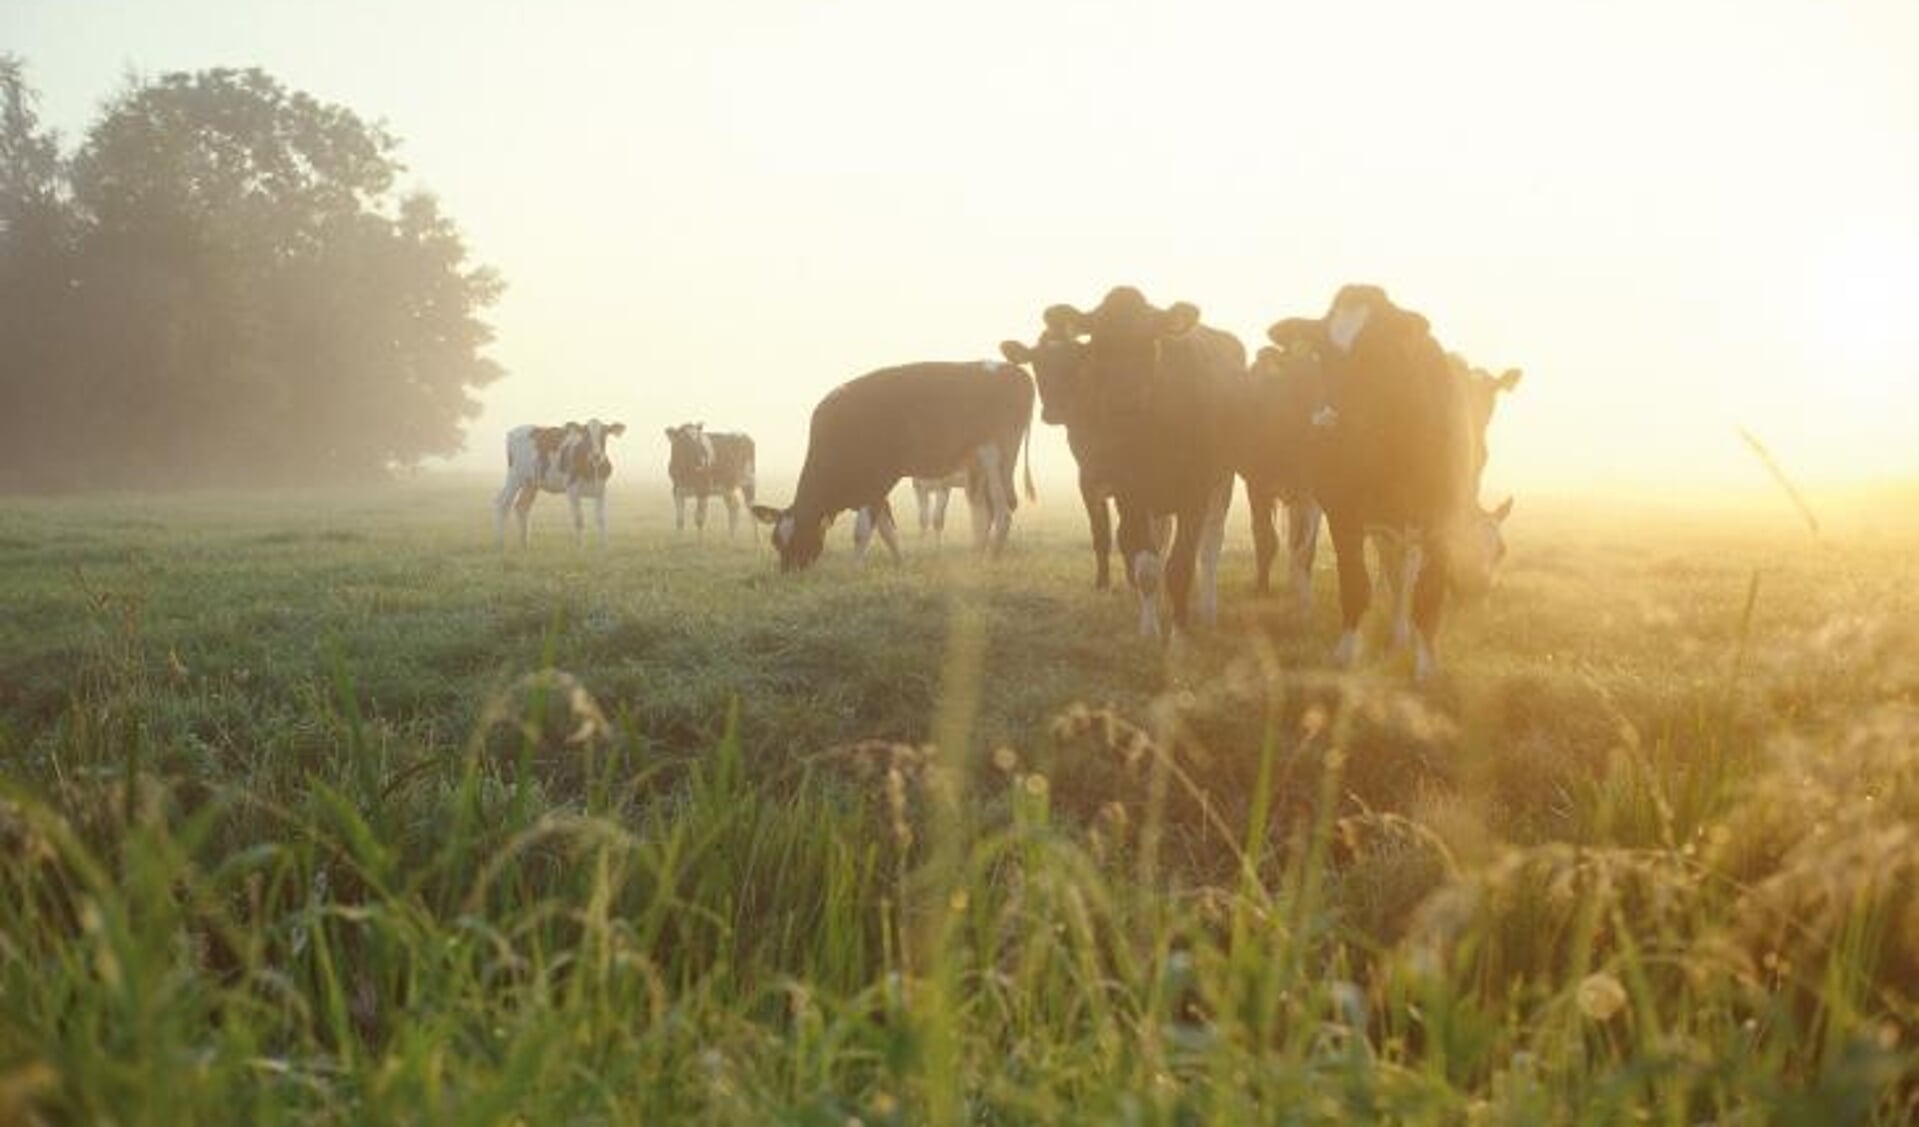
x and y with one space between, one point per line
1031 494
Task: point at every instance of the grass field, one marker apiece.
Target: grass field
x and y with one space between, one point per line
321 808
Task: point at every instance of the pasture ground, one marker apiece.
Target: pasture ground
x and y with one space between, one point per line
319 807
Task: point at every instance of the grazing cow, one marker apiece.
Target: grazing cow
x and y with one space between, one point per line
916 420
1397 445
1155 398
568 459
705 464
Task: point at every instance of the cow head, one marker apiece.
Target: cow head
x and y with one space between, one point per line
584 449
1058 362
1123 338
689 452
799 540
1479 548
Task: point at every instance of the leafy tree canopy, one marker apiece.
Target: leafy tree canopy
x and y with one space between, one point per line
223 285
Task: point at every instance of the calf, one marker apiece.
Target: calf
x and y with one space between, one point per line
568 459
915 420
703 464
1156 397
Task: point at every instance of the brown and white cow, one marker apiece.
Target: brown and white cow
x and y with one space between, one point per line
915 420
702 464
1396 449
1056 359
1154 400
568 459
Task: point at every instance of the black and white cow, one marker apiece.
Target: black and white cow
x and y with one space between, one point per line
916 420
1395 450
1156 398
703 464
568 459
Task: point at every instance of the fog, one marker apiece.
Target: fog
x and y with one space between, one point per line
1678 221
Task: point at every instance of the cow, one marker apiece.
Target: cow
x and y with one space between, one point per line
914 420
568 459
1284 387
1155 398
1396 447
703 464
1056 359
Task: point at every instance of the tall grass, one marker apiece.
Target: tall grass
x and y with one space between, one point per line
1258 892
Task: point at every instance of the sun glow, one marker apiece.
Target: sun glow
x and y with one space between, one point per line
1678 220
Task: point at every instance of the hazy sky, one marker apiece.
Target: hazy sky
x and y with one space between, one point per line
1679 216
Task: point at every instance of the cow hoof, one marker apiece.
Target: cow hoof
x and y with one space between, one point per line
1346 653
1425 662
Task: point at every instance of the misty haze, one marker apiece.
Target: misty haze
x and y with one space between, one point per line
856 562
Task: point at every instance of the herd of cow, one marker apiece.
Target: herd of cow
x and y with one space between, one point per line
1358 418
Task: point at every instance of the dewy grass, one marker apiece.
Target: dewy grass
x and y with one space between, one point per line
391 826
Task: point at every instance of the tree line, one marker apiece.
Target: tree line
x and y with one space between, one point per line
223 284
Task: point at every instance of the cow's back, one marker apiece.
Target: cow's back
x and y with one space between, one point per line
912 420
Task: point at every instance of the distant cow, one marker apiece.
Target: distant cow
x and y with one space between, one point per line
931 496
568 459
916 420
1397 447
705 464
1154 401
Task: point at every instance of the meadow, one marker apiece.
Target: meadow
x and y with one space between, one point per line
318 807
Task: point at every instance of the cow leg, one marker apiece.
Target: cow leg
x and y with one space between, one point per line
1302 544
522 506
599 516
699 517
889 532
1265 535
980 509
1429 600
579 518
501 504
942 497
1212 541
1355 586
863 524
1101 518
1189 530
923 502
1143 566
679 510
996 482
1405 577
732 498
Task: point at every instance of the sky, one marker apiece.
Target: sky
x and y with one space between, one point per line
1679 217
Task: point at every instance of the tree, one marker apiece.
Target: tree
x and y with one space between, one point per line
253 300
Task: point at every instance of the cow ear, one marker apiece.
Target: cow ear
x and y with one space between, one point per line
1504 510
1015 351
669 434
1179 319
767 514
1509 379
616 429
